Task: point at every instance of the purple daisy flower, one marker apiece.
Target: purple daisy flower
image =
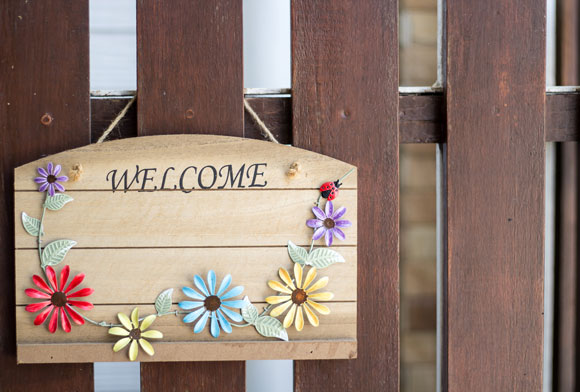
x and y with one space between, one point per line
49 178
327 223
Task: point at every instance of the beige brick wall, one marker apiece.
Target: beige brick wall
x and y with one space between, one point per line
418 67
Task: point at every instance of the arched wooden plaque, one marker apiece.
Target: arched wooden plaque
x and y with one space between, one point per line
149 213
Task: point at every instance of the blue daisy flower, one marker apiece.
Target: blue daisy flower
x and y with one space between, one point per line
212 304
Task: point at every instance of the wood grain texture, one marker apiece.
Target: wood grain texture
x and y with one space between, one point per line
567 326
230 352
44 70
197 45
345 104
340 324
183 151
495 55
176 219
276 114
105 110
190 67
154 270
133 245
563 117
420 118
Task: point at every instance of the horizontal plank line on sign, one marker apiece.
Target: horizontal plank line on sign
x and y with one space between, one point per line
105 219
138 276
420 117
342 188
304 245
191 161
339 324
206 351
175 304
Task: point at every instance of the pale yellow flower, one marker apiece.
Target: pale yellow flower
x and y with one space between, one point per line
297 296
133 333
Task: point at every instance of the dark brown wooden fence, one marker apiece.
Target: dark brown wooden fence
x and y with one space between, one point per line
491 118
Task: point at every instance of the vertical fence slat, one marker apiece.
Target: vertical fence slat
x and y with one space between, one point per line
495 91
190 80
190 67
566 364
44 69
345 104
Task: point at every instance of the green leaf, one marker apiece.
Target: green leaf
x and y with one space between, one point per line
55 252
249 312
271 328
31 225
163 301
324 257
57 201
297 254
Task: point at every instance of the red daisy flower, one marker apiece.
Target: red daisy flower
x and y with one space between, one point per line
58 299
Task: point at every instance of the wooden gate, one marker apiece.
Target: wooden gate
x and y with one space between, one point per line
491 122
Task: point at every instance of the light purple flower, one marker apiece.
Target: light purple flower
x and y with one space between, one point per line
49 178
327 223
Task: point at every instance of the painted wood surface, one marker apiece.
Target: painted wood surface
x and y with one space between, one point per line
160 268
182 153
495 194
235 351
340 324
37 39
133 245
345 104
164 219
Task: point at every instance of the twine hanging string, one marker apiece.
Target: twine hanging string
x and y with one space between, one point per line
263 128
112 126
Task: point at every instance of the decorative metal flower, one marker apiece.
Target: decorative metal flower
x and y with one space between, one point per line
212 303
299 295
133 333
327 223
49 179
58 299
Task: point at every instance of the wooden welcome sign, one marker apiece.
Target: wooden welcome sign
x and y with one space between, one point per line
185 248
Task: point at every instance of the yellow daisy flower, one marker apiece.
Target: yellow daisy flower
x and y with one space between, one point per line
133 333
299 295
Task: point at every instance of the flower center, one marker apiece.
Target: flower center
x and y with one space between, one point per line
51 179
135 334
299 296
329 223
58 299
212 303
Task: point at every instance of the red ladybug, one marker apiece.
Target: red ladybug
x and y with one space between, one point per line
329 190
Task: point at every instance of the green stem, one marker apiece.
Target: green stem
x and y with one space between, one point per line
241 325
100 324
110 325
317 204
266 310
40 230
346 175
175 312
